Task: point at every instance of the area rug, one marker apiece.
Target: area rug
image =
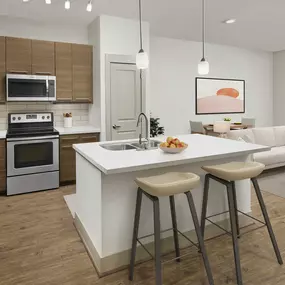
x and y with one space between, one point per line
273 181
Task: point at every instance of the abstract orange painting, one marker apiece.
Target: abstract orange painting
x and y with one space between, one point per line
219 96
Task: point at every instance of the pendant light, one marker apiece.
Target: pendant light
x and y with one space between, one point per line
203 66
142 60
89 6
67 4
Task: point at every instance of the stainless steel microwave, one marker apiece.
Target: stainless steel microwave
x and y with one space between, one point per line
21 87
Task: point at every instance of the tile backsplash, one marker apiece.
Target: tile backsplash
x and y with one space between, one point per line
79 112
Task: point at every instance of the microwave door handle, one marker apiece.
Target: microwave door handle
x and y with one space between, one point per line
47 87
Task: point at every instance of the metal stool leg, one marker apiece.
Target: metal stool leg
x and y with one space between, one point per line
204 204
267 220
200 237
135 234
234 232
236 207
174 225
156 216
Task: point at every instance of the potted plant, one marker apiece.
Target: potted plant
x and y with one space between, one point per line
155 128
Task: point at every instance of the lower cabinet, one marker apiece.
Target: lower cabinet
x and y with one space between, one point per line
67 154
2 166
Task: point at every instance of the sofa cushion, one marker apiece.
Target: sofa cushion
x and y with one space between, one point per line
279 135
264 136
235 134
274 156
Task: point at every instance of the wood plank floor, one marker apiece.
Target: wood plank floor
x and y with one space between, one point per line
39 245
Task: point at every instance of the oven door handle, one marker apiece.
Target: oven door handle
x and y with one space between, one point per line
32 138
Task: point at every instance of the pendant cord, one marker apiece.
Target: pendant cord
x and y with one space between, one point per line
203 26
140 15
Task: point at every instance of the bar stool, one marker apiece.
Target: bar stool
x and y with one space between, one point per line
167 184
227 174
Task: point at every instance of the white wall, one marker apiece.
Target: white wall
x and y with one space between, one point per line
16 27
173 71
279 87
115 36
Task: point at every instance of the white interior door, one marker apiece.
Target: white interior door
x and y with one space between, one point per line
125 101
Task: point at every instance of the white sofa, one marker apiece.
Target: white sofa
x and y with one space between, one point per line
273 137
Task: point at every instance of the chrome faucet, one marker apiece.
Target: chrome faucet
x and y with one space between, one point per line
146 127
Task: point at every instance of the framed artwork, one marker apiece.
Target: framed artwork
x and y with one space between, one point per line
219 96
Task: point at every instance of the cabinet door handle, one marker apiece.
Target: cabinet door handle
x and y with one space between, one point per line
66 146
89 138
69 139
43 73
18 71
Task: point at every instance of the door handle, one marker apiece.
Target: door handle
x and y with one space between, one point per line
115 127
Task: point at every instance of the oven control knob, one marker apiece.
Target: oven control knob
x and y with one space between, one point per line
19 118
43 117
48 117
14 118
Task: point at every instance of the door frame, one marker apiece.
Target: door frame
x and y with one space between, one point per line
120 59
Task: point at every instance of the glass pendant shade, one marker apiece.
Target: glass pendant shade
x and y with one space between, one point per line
203 67
67 5
142 60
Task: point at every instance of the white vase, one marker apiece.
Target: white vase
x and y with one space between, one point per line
67 122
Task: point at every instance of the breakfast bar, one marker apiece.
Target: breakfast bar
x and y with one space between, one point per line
106 192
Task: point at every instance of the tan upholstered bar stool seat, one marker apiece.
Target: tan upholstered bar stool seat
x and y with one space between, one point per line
235 170
168 184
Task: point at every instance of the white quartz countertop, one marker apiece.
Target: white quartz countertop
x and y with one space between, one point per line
200 148
77 130
3 134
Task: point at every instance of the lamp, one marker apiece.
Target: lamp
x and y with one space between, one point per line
67 4
203 66
222 127
142 60
89 6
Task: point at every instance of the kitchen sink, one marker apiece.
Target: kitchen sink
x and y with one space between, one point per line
152 144
116 147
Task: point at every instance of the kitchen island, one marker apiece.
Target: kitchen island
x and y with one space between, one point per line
106 193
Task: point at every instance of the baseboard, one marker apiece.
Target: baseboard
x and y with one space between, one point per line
119 261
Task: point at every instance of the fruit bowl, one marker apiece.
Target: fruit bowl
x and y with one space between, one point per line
173 145
173 150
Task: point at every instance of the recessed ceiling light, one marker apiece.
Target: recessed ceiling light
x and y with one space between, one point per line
229 21
48 1
26 1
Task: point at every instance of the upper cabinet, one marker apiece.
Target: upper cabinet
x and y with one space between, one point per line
72 64
63 71
43 58
2 69
18 55
82 62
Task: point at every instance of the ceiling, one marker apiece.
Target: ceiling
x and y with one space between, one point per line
258 21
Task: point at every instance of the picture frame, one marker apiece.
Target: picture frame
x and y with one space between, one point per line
219 96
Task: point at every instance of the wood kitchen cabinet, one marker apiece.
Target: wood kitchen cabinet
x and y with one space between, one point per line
82 78
43 58
67 154
2 165
63 71
18 55
2 69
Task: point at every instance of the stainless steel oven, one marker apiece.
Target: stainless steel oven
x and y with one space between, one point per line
20 87
32 155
